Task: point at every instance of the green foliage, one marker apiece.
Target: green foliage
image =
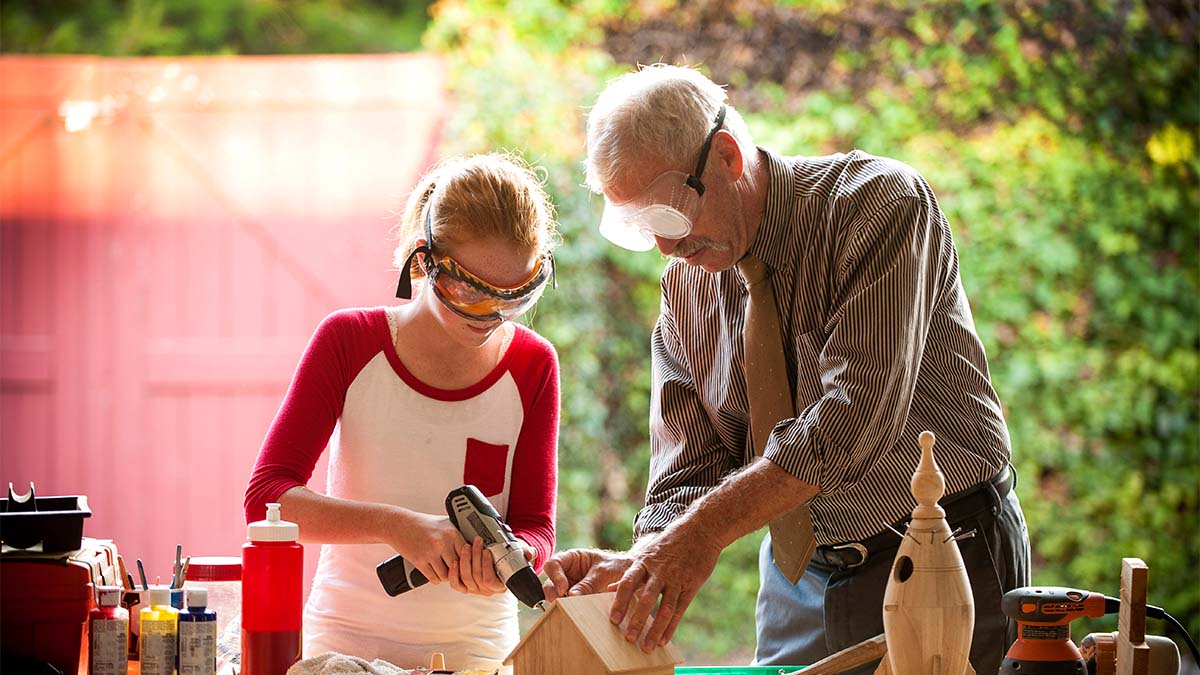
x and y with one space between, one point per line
191 27
1086 286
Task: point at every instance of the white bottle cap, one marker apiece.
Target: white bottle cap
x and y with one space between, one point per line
110 596
273 528
158 595
197 597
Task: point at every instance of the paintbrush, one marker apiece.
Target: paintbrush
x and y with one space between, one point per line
121 566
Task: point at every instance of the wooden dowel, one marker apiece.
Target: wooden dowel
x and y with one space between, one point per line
850 657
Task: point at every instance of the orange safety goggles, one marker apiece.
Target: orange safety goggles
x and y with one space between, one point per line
469 296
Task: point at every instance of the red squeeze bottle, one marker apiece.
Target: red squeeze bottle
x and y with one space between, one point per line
272 595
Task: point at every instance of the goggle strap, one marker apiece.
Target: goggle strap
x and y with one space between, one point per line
693 181
428 222
404 286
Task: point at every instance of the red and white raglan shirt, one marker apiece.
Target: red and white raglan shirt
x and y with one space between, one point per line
394 439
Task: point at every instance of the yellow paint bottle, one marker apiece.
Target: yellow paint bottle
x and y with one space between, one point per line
160 633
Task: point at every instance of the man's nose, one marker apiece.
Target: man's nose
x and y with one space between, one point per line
666 246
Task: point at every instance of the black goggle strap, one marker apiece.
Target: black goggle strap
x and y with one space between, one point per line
693 181
404 287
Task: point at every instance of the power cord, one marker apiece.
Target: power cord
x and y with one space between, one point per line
1113 605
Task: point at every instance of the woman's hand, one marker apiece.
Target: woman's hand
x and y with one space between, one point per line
474 571
430 543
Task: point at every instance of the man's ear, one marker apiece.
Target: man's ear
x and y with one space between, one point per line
726 147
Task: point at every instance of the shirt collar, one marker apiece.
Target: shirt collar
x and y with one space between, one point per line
769 243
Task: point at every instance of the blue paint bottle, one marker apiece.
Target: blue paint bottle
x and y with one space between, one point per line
197 635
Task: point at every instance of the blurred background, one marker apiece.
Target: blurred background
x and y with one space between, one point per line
188 186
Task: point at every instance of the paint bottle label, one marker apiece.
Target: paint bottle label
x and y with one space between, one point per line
108 642
197 647
158 646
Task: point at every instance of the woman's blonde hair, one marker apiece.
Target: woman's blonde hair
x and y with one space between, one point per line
496 196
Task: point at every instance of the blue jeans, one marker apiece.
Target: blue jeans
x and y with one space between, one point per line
830 609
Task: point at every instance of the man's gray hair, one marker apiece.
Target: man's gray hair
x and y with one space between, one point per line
659 113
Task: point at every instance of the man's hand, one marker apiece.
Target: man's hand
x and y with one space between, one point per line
583 571
672 566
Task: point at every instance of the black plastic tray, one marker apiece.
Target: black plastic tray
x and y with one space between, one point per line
57 523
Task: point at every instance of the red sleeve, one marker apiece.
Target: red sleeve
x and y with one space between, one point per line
339 348
531 501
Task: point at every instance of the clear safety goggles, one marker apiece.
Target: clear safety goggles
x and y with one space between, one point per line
666 208
469 296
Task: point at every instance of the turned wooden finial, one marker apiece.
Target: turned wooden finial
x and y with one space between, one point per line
927 484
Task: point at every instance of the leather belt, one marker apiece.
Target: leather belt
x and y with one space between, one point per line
987 496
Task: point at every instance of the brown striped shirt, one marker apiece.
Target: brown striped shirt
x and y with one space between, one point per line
880 346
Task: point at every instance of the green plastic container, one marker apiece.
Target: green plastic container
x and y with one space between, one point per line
735 669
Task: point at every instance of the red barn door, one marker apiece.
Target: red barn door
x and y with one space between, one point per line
171 231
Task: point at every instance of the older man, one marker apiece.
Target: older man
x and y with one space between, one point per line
846 265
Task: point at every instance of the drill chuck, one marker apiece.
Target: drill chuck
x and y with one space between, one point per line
527 588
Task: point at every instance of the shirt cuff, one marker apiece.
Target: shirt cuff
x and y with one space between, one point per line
655 518
811 457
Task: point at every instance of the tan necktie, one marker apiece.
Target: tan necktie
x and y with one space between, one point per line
770 402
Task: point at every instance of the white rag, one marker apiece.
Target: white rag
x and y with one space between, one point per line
338 664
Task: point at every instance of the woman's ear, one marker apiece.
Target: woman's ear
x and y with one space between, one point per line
730 153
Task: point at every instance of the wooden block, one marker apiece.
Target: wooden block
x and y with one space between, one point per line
1133 659
1101 648
1133 654
1134 579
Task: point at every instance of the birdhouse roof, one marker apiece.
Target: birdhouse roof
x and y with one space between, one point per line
589 615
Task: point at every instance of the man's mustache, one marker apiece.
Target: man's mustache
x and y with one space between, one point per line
691 246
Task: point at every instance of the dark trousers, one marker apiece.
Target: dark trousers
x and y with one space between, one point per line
837 604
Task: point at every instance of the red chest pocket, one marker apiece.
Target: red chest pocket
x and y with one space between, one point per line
486 466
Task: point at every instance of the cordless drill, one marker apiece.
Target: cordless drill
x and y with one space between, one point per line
1044 615
474 516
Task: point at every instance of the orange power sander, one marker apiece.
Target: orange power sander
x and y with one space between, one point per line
1044 615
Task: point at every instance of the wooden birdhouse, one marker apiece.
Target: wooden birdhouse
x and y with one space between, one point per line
575 636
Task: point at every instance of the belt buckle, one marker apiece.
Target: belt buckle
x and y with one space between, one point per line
858 548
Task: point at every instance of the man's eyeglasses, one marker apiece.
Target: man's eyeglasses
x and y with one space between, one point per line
666 208
466 294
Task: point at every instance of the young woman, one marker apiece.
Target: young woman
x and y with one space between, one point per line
414 401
